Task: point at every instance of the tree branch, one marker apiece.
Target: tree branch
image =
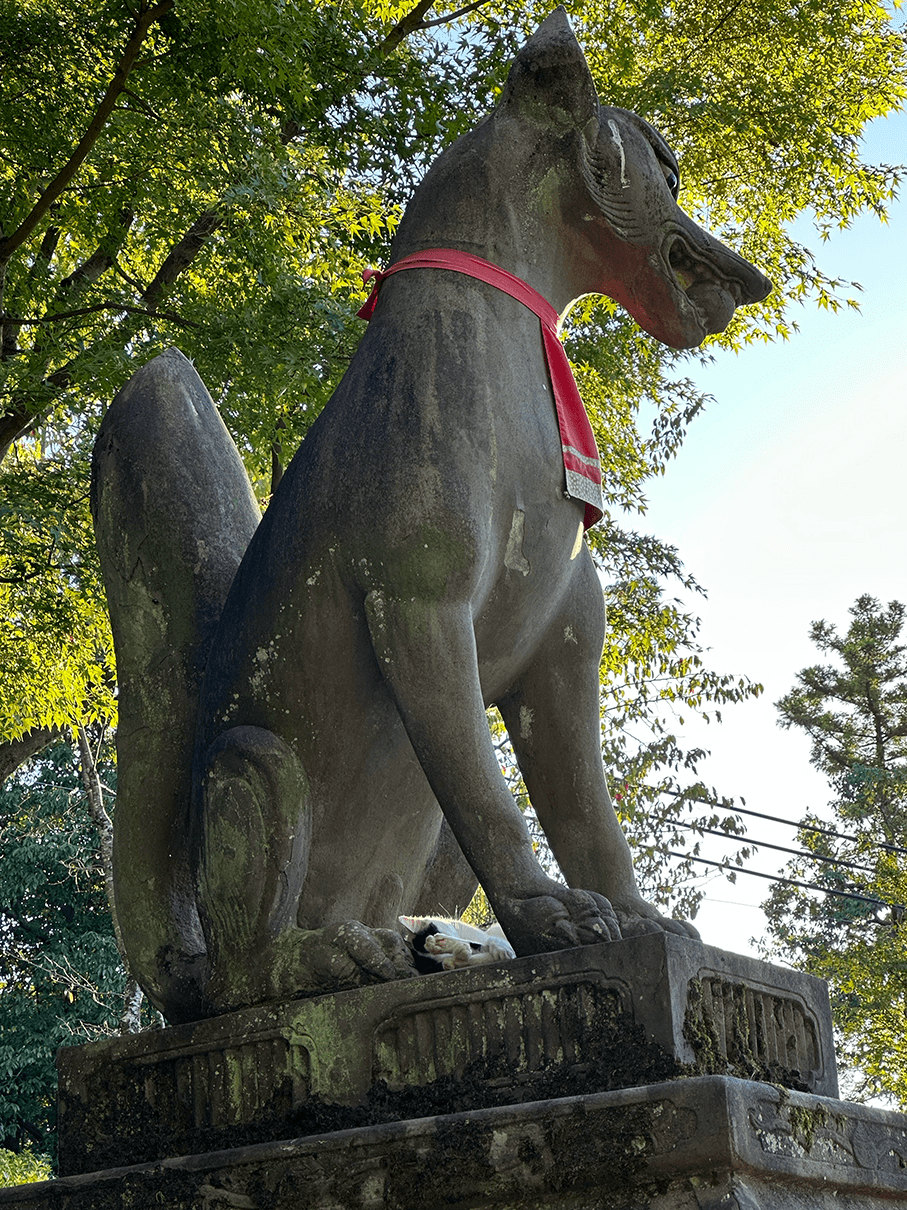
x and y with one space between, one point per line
66 174
135 284
181 255
126 308
101 259
13 425
45 253
16 752
405 26
461 12
21 416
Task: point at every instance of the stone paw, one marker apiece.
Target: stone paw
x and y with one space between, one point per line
311 962
308 962
352 955
637 917
558 920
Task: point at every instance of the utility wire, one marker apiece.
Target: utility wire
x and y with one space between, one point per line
808 827
765 844
809 886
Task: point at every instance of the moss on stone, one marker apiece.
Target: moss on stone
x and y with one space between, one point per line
739 1055
805 1123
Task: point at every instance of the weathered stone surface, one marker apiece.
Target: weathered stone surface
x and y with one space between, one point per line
580 1021
706 1143
173 512
421 559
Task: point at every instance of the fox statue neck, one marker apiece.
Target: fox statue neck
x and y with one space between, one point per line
463 206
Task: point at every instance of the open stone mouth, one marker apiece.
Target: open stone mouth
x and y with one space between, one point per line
692 271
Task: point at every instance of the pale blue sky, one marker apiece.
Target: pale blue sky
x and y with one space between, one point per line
787 501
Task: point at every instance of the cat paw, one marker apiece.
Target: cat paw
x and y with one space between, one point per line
449 952
559 920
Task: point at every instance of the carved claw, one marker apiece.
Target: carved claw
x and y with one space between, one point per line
561 919
311 962
351 955
639 917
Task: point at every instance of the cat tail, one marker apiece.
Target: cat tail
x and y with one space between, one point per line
174 512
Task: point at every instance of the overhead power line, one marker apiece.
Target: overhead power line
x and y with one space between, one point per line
809 886
766 844
808 827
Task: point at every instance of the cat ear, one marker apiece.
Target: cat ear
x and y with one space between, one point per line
550 82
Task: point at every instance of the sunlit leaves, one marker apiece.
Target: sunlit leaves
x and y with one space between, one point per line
22 1168
54 632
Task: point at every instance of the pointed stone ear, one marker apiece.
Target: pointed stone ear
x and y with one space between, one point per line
550 82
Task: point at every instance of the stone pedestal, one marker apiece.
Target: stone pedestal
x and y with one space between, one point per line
584 1020
653 1072
702 1143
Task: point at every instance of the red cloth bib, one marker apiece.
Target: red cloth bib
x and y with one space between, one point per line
582 466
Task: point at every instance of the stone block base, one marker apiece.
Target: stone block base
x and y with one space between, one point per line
586 1020
649 1074
702 1143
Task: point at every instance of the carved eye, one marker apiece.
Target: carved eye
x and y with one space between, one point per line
673 181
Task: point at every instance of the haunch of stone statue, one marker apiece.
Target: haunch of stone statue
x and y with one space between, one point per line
303 749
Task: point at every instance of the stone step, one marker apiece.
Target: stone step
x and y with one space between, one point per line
700 1143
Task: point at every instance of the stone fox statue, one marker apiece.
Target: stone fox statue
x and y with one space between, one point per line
303 746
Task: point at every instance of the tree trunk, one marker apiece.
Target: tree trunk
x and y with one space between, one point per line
132 1001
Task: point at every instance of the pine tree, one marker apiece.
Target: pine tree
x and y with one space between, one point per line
852 933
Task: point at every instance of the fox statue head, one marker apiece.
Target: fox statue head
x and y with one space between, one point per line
580 197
